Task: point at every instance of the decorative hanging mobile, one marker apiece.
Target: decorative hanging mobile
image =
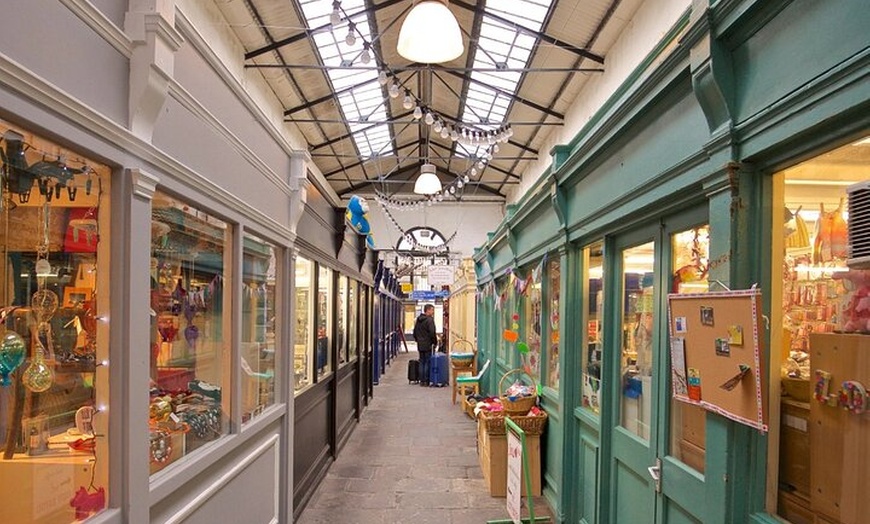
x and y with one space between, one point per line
39 376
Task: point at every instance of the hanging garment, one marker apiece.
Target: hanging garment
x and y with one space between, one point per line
839 233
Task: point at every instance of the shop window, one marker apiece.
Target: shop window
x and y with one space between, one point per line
504 302
638 323
528 346
593 310
819 310
352 320
552 323
54 352
341 320
690 253
259 266
190 329
303 344
323 351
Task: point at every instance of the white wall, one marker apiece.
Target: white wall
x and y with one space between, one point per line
648 25
473 220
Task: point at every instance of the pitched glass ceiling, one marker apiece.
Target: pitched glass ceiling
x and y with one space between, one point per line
500 45
363 103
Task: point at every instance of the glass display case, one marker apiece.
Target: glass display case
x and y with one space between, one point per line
303 343
190 333
54 350
259 319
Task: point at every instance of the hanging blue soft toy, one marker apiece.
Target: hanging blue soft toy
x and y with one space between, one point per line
357 215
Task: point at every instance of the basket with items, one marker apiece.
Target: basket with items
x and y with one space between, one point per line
518 398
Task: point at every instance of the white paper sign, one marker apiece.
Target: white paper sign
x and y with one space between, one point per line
440 276
514 476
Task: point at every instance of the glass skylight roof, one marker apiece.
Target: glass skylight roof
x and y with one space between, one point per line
365 102
500 46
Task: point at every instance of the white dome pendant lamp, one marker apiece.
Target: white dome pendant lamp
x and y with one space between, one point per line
427 183
430 34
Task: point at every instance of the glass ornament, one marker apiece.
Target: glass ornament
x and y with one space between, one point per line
42 267
38 376
12 353
44 303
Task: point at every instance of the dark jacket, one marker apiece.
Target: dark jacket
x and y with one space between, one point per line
424 333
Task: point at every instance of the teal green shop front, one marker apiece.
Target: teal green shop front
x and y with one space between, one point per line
673 186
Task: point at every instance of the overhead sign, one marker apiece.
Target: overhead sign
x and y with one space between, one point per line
429 295
440 275
407 287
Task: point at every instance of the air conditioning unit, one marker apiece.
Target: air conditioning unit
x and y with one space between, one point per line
859 225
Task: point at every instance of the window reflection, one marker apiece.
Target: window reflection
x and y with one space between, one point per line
259 268
324 321
593 300
638 324
188 404
302 343
553 281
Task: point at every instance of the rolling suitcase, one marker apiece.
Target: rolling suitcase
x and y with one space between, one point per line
439 369
413 371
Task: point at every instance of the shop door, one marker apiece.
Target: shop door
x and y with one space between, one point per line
641 425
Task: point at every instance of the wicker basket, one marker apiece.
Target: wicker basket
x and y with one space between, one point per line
461 360
522 405
531 425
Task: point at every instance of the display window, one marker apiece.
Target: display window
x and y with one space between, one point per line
638 323
690 251
508 325
551 323
529 342
190 329
54 380
259 329
325 318
593 314
303 341
819 308
341 320
352 320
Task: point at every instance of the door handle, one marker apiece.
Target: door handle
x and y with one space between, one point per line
656 473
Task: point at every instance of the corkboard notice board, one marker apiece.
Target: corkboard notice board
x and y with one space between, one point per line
716 349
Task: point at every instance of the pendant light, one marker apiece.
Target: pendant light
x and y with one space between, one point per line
430 34
427 183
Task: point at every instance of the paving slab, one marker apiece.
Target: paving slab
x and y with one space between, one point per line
412 459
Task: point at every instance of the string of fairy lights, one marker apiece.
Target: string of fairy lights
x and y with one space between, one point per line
485 139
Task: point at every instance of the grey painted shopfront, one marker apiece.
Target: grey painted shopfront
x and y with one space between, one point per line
171 144
692 146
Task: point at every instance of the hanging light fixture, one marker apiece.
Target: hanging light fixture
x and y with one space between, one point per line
430 34
427 183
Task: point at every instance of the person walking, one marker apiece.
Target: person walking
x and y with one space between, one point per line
426 338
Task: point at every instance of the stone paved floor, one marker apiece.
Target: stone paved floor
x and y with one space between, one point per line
411 460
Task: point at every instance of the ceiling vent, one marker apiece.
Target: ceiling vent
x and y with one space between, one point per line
859 225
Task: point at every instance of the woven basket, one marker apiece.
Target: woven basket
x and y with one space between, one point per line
531 425
460 359
522 405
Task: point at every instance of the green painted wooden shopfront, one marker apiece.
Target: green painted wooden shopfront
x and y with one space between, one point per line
735 92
